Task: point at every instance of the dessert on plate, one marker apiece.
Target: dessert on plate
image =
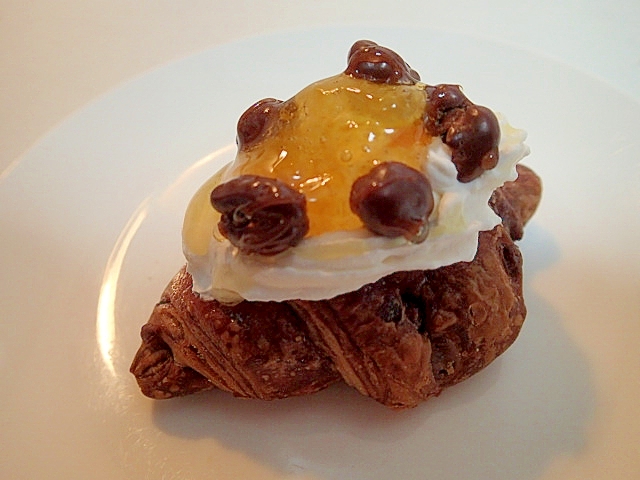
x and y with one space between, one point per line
364 233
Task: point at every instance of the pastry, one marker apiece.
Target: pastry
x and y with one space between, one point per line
364 233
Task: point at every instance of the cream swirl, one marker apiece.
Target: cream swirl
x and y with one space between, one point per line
329 264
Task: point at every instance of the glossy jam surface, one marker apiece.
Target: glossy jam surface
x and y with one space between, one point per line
332 132
386 172
200 218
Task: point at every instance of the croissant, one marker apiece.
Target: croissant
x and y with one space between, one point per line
399 340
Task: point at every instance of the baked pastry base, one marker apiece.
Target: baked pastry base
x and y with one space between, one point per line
399 340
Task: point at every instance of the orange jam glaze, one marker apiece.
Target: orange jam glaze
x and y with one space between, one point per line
333 132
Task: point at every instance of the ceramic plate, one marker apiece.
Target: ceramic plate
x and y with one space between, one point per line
90 234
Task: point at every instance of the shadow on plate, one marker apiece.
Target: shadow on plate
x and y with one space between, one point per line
509 421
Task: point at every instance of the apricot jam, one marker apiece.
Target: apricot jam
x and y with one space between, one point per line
329 134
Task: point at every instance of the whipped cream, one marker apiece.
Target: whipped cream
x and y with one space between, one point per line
330 264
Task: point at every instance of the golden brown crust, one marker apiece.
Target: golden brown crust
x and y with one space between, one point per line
252 350
406 337
516 202
399 340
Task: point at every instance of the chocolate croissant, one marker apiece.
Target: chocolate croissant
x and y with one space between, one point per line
399 340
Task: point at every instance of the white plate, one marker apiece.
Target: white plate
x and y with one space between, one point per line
90 233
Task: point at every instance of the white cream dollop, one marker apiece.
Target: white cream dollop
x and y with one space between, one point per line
330 264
